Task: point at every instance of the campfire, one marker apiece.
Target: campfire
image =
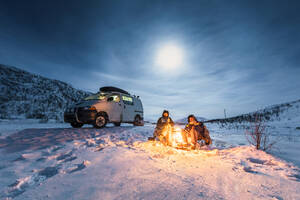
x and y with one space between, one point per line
174 137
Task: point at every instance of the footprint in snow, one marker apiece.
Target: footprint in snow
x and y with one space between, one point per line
52 150
49 171
276 197
67 157
64 156
21 185
78 167
56 148
20 158
247 168
70 159
295 177
41 159
100 148
90 143
16 191
256 161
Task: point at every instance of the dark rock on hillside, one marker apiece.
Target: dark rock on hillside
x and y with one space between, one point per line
27 95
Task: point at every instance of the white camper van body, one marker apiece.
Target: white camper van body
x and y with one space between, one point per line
108 106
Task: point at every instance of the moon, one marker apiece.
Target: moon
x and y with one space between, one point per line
169 57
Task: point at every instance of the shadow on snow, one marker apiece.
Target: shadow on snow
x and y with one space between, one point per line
34 139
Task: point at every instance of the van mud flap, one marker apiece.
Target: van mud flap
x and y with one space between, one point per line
76 116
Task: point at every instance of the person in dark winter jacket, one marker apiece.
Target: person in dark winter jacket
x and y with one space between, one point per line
197 131
162 122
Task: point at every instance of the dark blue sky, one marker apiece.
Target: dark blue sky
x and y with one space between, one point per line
238 55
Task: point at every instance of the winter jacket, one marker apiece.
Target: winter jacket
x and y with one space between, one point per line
200 128
164 121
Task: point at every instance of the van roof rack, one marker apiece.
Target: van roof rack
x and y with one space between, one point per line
113 89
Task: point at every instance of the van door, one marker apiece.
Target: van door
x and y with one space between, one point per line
128 111
114 108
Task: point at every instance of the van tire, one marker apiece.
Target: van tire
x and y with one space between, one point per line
76 125
138 121
100 120
117 123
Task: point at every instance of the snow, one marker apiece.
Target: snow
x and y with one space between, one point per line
54 161
285 134
7 127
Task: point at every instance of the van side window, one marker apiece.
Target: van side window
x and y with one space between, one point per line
114 98
127 100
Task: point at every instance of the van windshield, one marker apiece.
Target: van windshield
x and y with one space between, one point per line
97 96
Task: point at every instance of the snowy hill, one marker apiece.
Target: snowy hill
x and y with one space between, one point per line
184 120
281 112
27 95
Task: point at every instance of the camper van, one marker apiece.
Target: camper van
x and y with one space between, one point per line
109 105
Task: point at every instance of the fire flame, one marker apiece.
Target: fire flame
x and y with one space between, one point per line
177 137
174 136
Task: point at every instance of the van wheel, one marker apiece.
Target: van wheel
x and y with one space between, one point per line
76 125
138 121
117 123
100 121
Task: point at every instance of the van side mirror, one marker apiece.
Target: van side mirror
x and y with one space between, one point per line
110 99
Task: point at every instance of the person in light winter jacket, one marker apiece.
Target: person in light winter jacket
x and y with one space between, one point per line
197 131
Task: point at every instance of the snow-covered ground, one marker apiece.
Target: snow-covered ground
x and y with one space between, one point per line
54 161
285 134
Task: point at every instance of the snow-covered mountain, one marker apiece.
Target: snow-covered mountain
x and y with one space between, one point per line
285 112
184 120
27 95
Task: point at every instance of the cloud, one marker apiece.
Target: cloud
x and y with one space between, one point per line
239 56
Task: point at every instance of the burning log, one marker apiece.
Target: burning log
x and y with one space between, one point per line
174 137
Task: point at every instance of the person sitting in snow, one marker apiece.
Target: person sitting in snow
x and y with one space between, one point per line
197 131
162 123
